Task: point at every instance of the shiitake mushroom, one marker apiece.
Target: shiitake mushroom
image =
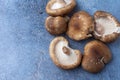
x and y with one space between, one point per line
96 55
107 27
80 26
60 7
56 25
62 55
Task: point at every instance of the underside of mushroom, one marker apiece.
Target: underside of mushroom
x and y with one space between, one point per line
60 4
60 7
62 55
107 28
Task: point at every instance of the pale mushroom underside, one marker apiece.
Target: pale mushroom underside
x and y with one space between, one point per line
60 4
64 58
105 26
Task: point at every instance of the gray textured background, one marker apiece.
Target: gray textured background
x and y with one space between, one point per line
24 42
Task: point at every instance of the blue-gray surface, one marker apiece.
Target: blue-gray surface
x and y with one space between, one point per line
24 42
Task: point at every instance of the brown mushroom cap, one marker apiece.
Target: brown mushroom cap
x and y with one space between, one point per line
107 27
80 26
62 55
60 7
96 55
56 25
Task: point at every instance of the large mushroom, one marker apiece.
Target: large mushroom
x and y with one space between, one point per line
56 25
96 55
80 26
60 7
107 27
62 55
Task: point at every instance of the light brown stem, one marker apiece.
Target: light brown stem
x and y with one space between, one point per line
66 50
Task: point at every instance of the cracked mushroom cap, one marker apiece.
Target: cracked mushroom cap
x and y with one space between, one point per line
107 27
62 55
96 55
56 25
80 26
60 7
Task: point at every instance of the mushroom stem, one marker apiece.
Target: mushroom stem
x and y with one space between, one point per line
99 28
102 59
66 50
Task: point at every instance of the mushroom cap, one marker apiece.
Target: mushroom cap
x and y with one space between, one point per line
60 58
107 27
60 7
96 55
56 25
80 26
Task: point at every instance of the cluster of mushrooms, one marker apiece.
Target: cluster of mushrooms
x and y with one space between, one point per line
103 27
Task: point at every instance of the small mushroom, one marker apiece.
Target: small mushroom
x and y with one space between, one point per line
60 7
80 26
62 55
96 55
56 25
107 27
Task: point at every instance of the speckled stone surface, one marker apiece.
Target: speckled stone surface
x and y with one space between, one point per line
24 42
